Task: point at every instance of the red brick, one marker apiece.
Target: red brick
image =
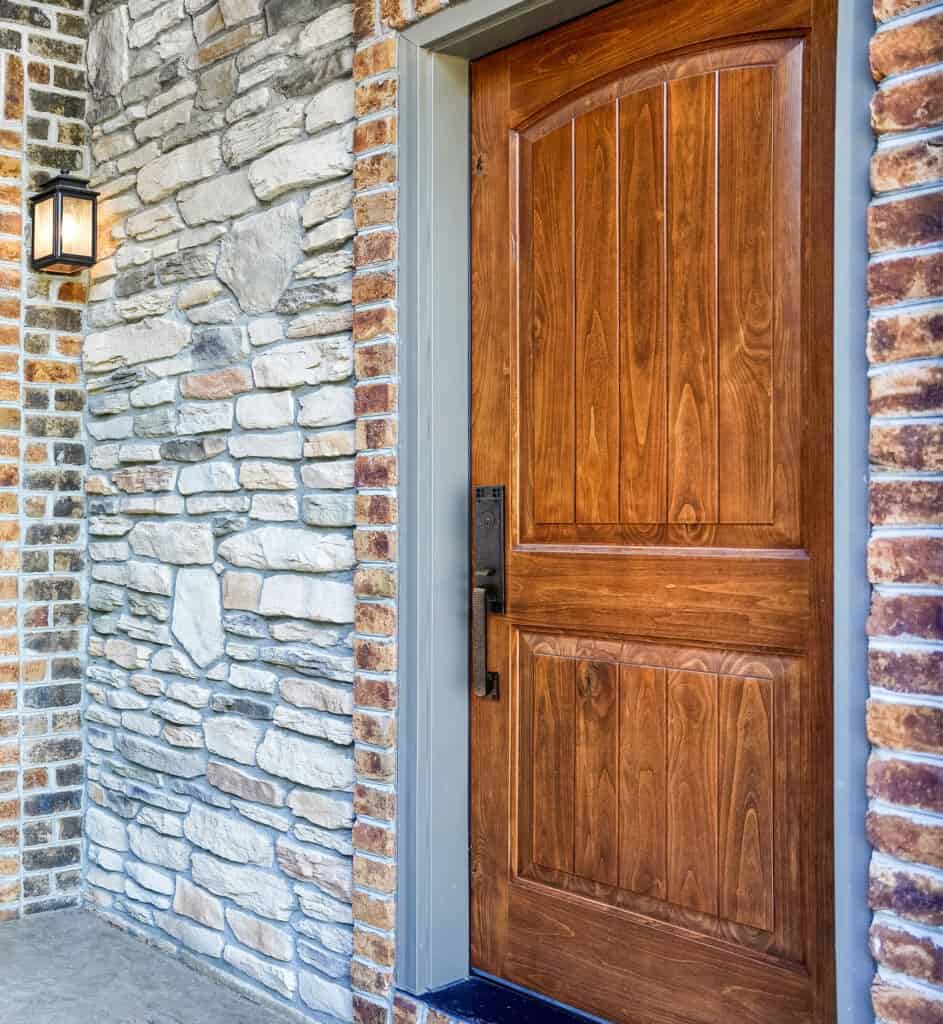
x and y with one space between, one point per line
907 46
911 615
374 134
372 210
915 335
912 895
426 7
379 876
405 1010
914 163
908 671
375 545
909 783
371 980
371 399
374 581
46 371
905 726
906 223
375 509
374 247
905 278
15 93
909 954
375 729
917 447
909 559
373 171
373 287
371 323
906 838
374 802
377 433
372 97
395 13
374 910
375 765
374 693
374 655
909 104
367 1012
375 471
895 1005
365 18
373 839
375 619
375 59
375 361
884 10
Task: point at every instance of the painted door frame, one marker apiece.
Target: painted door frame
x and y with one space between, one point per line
434 456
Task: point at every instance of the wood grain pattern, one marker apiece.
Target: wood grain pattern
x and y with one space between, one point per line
746 802
692 791
692 311
643 832
708 603
554 740
552 358
596 795
596 289
643 298
745 295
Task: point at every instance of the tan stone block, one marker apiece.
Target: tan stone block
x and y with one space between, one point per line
234 380
242 590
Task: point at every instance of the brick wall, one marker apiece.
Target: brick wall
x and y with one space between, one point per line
42 537
905 554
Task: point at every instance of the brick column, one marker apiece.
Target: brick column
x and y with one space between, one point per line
905 554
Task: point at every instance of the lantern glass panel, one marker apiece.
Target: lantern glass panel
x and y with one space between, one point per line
44 242
77 233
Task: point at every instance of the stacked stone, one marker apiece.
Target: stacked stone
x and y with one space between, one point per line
42 131
220 362
905 555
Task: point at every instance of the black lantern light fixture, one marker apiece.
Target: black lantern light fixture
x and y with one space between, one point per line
65 225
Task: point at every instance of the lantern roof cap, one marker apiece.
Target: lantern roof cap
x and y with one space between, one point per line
65 181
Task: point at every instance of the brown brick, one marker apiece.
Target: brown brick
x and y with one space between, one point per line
909 954
379 433
375 765
912 446
909 104
38 73
375 619
396 13
914 895
374 911
14 98
895 1005
375 59
884 10
371 399
912 615
909 783
375 471
906 336
426 7
379 876
375 509
234 380
46 371
437 1017
10 224
374 839
374 802
69 345
372 210
365 18
72 291
372 171
908 46
905 838
374 655
371 980
374 581
374 693
915 163
907 391
374 287
908 671
405 1010
905 726
10 167
374 247
368 1012
372 97
906 560
374 134
905 278
371 323
375 545
906 223
377 730
375 361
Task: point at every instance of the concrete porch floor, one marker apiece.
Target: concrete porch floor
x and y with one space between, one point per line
70 967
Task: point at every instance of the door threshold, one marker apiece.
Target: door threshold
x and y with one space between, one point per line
484 1000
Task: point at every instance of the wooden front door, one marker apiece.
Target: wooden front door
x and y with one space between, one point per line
651 789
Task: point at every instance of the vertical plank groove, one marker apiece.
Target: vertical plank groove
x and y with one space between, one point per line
597 772
745 287
692 791
692 330
642 307
552 362
746 802
554 746
643 828
596 290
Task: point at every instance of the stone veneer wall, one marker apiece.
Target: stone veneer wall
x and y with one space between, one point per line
905 556
42 455
221 404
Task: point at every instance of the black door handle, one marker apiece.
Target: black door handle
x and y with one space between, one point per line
488 585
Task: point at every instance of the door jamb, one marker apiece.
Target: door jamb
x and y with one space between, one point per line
434 457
